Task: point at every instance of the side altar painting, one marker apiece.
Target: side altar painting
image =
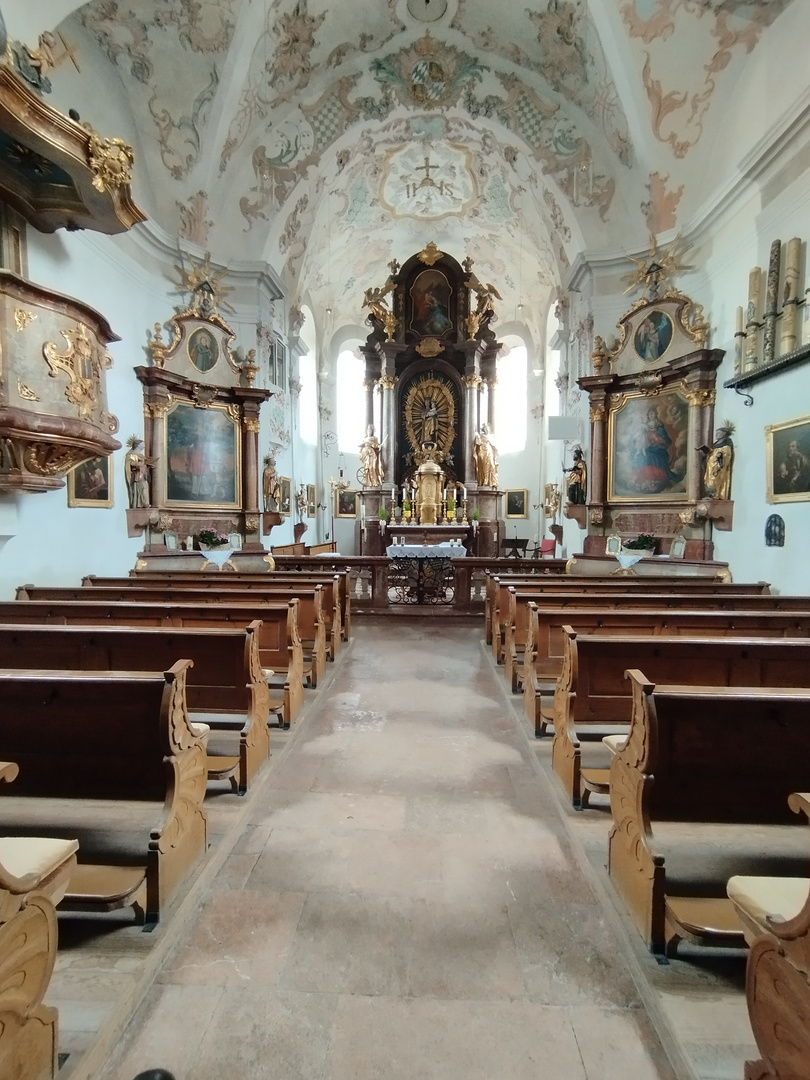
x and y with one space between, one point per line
202 456
648 447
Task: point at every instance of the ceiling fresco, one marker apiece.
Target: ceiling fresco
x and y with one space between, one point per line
329 137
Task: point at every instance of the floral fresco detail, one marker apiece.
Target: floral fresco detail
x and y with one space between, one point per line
678 115
194 222
660 210
181 140
121 35
293 37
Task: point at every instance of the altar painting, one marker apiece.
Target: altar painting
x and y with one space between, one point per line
648 451
202 457
430 294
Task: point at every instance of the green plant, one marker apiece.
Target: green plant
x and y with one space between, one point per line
406 506
382 514
475 514
451 503
212 539
643 542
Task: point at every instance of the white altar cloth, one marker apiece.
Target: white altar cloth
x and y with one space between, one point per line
426 551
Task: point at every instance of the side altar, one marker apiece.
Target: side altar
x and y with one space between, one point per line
193 481
431 356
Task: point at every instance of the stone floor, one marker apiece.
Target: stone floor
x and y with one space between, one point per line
405 895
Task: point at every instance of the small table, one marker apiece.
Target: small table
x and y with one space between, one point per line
514 548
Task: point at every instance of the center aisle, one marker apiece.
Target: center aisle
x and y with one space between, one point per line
404 903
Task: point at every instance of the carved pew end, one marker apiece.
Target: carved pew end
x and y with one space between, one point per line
702 920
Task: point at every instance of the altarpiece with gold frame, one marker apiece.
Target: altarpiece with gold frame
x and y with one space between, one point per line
432 355
652 403
201 432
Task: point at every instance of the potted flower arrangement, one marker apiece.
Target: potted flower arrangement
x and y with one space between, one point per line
451 507
383 516
406 509
643 542
208 539
475 516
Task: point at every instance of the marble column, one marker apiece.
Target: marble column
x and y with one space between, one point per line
701 414
368 386
250 479
491 384
472 384
154 446
598 479
388 435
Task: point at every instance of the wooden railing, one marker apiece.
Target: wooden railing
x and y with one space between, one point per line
372 585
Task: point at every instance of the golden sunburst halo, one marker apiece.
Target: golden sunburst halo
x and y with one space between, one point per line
656 267
205 286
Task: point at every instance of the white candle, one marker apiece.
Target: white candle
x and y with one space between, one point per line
463 492
739 327
393 493
444 493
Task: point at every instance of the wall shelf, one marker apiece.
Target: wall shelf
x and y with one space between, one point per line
764 371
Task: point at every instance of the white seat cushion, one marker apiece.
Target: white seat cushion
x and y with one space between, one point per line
615 743
759 897
21 856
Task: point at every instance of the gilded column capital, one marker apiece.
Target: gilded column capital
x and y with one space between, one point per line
156 409
251 425
471 381
388 382
700 397
598 414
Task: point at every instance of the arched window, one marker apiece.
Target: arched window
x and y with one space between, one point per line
351 401
510 401
308 400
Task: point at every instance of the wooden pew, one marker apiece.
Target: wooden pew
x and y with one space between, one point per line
336 581
311 624
697 757
543 660
279 645
498 585
519 634
34 873
225 687
288 549
110 759
775 914
592 688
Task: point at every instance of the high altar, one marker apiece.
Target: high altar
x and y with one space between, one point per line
432 355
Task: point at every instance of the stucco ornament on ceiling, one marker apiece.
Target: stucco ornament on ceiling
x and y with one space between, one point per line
428 181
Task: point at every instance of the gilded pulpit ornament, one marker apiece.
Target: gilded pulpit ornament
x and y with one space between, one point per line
110 162
430 254
83 364
23 318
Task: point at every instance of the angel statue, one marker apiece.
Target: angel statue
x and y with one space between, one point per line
136 473
484 307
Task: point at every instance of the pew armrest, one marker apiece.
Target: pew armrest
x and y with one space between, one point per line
9 771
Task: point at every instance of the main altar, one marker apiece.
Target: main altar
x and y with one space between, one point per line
431 355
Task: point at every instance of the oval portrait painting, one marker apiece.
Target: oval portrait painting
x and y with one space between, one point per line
203 349
653 336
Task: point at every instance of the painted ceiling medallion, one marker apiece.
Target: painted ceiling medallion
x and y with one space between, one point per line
428 74
428 182
427 10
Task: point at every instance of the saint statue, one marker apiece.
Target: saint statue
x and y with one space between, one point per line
719 458
370 459
270 485
136 473
430 416
576 479
486 465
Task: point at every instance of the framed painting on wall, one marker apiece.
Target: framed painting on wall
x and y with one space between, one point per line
787 449
285 495
516 502
202 457
346 503
312 500
648 447
90 484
